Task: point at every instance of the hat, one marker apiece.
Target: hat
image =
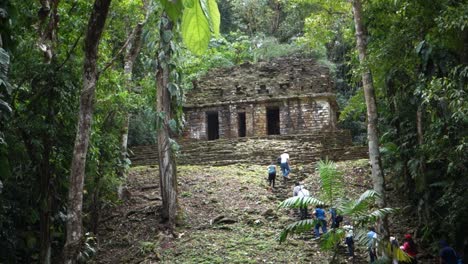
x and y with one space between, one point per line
407 236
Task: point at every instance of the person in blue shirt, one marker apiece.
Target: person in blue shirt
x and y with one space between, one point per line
320 215
372 244
447 254
271 175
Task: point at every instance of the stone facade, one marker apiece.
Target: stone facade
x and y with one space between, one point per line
303 149
285 96
257 111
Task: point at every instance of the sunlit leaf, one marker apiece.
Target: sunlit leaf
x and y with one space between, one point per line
195 29
172 8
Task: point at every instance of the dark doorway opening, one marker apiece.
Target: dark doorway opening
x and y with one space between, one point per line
241 129
212 125
273 121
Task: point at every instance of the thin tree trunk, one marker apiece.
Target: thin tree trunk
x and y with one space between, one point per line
167 165
48 24
276 19
90 76
46 191
133 49
423 204
372 118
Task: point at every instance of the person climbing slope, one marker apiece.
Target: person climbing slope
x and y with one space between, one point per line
303 192
320 215
372 244
285 163
447 254
271 175
410 248
335 218
349 240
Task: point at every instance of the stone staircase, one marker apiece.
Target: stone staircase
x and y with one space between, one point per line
303 149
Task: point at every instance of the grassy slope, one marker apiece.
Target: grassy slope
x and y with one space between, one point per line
131 232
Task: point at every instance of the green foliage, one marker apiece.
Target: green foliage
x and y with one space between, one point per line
195 29
417 58
360 212
199 19
331 181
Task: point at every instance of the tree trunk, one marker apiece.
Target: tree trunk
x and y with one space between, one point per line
48 24
47 28
167 165
372 118
90 76
45 190
133 49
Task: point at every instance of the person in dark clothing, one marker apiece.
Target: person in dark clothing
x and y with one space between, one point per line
271 175
447 254
335 218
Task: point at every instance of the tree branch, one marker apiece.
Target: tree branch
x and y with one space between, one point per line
111 62
70 52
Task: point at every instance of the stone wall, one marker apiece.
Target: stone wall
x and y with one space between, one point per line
303 149
299 87
280 77
300 115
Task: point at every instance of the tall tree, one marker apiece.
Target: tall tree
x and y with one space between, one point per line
372 117
47 30
167 165
131 54
200 18
96 24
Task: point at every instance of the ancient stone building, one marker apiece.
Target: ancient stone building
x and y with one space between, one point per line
252 112
282 97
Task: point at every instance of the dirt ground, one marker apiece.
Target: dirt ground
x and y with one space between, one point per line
228 215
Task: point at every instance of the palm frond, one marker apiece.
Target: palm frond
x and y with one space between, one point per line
358 208
297 227
331 180
367 195
332 238
380 213
300 202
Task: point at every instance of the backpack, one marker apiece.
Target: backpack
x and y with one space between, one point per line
339 218
271 169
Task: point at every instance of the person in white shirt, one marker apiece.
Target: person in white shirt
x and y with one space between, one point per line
298 186
285 165
300 191
349 238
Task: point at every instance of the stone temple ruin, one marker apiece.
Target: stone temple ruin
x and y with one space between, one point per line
283 97
252 112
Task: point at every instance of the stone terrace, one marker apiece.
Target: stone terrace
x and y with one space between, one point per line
303 149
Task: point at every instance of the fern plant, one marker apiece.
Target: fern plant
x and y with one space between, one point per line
360 212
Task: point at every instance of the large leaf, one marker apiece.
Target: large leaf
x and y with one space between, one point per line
299 202
173 8
195 29
4 106
4 65
211 11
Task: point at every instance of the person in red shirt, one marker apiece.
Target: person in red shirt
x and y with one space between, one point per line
410 248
